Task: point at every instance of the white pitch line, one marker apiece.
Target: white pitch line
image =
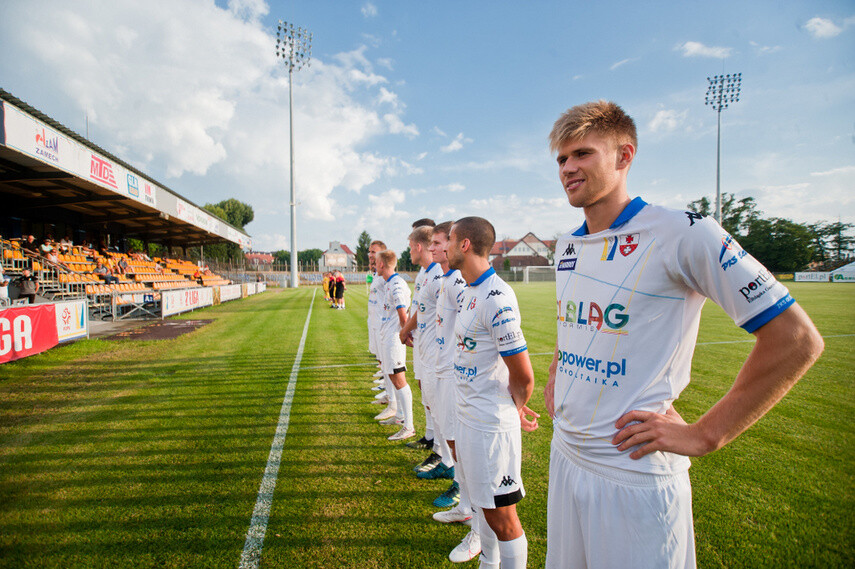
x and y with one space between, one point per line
251 555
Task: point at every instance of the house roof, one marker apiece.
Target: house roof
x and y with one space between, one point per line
502 247
346 249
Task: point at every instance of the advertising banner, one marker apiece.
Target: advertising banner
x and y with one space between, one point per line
843 278
811 277
229 292
177 301
72 320
27 330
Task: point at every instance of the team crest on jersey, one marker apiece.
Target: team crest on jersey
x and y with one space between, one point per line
471 304
729 245
628 244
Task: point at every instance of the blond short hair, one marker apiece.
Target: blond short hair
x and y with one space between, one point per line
389 258
601 117
421 234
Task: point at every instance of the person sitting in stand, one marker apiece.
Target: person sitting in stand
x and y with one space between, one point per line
46 246
102 271
65 244
4 288
30 245
122 266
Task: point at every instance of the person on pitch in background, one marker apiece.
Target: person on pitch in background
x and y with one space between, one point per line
494 381
631 282
393 353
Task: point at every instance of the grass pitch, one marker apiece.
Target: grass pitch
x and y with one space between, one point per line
142 454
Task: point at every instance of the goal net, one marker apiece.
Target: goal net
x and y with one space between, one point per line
538 274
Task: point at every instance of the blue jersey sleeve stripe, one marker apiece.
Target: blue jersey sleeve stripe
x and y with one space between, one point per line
400 306
767 315
513 352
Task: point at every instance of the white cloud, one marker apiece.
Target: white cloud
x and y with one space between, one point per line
455 187
697 49
456 144
822 28
765 49
622 62
249 10
436 130
369 10
397 126
667 120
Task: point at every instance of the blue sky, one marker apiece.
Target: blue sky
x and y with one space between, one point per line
441 109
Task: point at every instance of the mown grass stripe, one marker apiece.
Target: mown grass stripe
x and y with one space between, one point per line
251 555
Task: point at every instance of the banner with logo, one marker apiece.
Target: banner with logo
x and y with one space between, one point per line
178 301
229 292
811 277
72 320
26 331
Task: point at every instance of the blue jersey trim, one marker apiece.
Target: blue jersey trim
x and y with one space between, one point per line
392 276
628 213
429 267
449 272
489 272
513 352
400 306
767 315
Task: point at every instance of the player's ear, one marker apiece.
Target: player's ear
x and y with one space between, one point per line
625 155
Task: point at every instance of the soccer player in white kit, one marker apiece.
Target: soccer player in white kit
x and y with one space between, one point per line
494 381
394 353
376 293
631 282
445 396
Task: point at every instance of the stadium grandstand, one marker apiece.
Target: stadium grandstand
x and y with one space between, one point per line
82 204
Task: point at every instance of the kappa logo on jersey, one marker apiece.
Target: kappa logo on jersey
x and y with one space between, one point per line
507 481
728 243
467 344
567 264
494 293
459 281
693 217
614 316
628 244
570 250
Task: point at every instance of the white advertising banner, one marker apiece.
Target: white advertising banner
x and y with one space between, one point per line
34 138
811 277
178 301
72 320
229 292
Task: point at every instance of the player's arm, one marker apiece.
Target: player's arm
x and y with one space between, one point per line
786 347
521 385
407 328
402 316
549 390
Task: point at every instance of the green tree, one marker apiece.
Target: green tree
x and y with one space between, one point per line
362 249
405 262
235 213
283 257
309 258
783 246
736 215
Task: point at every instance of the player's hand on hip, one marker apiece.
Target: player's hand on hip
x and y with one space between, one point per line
528 425
653 432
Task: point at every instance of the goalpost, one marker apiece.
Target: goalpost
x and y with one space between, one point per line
538 274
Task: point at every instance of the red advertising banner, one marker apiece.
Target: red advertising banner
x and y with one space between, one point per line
27 330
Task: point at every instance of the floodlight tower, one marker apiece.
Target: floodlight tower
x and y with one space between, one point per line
722 90
294 47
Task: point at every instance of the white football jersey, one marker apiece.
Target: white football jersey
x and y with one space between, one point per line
396 295
375 301
426 315
486 329
447 307
629 306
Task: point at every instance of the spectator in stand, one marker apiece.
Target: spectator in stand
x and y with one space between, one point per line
102 271
122 267
30 245
158 268
47 246
29 286
4 288
65 244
